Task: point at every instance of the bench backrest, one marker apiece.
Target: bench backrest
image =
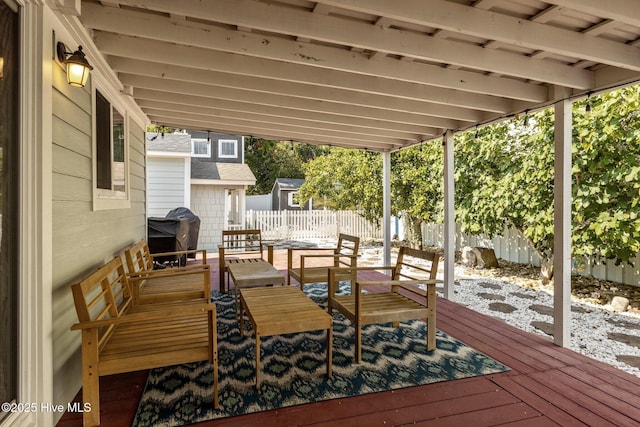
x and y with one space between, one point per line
347 246
105 294
245 242
408 266
138 257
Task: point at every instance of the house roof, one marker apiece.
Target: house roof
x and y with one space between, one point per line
230 173
371 74
169 142
289 183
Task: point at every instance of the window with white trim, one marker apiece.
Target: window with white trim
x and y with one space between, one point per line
228 148
200 147
110 156
292 199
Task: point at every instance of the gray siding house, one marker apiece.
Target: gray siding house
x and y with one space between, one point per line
203 171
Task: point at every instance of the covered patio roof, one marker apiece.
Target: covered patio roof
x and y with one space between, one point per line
368 74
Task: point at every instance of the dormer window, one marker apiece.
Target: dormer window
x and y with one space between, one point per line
200 148
228 149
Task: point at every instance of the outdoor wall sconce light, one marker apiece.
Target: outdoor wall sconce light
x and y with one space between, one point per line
77 65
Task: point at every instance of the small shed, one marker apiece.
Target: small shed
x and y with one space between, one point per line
283 195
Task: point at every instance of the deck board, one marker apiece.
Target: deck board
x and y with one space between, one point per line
547 386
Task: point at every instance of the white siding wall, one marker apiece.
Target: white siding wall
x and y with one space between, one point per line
166 185
207 201
83 239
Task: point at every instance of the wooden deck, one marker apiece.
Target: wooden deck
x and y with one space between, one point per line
547 386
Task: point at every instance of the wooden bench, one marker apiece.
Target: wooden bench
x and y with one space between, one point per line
119 336
237 246
344 254
395 305
169 284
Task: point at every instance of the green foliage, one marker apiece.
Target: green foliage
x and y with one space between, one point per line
504 177
269 160
349 179
417 187
606 176
352 179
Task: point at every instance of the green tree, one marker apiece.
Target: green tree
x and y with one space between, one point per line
417 187
348 179
352 179
269 160
504 177
606 176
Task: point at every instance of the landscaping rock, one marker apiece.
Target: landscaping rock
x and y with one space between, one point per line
478 257
502 307
523 295
624 324
619 304
542 309
468 257
633 340
545 327
486 258
488 285
494 297
629 360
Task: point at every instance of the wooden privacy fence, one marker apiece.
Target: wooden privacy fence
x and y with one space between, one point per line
512 246
320 224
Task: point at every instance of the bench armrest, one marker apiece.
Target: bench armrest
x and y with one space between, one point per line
159 311
334 256
400 283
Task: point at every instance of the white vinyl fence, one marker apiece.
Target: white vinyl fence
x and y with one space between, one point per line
513 247
320 224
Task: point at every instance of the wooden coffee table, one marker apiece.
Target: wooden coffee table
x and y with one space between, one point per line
283 310
252 272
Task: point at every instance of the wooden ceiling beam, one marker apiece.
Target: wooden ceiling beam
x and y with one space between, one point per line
308 91
198 58
124 22
512 30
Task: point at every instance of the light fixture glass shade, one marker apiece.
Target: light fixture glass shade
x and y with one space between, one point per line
77 65
77 74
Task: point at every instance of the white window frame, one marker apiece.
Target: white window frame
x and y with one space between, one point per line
221 142
290 199
199 140
105 199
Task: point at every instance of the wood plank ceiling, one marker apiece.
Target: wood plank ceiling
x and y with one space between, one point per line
372 74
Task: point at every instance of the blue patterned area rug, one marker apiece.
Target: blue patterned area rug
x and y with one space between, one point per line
294 368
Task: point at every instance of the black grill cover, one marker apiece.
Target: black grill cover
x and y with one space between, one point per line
194 226
167 235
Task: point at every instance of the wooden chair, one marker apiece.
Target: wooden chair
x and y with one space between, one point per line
177 283
119 336
344 254
394 305
238 245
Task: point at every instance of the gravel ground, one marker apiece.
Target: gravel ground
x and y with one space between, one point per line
514 294
591 324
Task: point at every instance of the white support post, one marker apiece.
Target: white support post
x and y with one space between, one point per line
449 219
562 225
386 207
242 207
